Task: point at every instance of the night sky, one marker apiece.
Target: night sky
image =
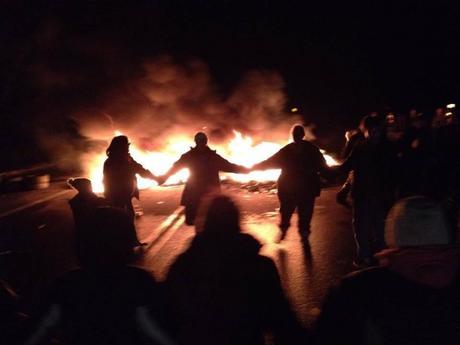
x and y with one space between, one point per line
338 60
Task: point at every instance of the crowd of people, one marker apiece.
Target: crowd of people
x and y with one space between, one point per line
402 175
395 157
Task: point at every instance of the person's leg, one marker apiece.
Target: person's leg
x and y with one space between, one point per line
378 214
305 213
287 207
190 213
342 195
130 209
362 227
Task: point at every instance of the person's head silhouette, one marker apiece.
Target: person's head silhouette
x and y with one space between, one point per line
218 215
201 139
119 146
298 133
81 184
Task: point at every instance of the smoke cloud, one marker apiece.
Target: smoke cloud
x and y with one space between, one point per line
89 87
171 99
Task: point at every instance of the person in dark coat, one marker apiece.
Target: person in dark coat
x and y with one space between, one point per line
222 291
412 297
120 170
204 165
106 301
373 189
299 184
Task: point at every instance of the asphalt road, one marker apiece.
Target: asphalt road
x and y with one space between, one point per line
36 240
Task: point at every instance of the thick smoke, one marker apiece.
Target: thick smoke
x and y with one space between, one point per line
172 99
98 90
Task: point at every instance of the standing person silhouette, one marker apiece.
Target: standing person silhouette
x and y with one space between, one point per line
301 162
222 291
204 165
120 170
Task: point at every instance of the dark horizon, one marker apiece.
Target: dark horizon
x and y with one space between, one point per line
338 61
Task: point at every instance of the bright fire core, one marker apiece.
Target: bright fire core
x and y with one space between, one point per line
240 150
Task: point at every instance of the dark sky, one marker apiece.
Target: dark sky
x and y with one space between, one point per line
338 60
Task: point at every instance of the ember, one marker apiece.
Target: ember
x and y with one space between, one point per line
240 150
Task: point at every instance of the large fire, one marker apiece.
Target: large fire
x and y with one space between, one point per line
240 150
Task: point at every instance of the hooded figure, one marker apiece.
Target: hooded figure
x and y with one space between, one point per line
120 170
204 165
222 291
412 297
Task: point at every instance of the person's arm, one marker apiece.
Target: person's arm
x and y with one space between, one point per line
340 321
322 165
226 166
141 171
150 327
180 164
347 166
47 322
272 162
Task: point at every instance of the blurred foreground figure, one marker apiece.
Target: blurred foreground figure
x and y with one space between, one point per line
413 297
85 202
204 165
106 301
299 184
222 291
120 170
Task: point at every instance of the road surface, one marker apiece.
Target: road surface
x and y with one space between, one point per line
36 239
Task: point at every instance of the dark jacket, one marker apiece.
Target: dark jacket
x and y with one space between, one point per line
223 292
379 306
356 138
204 165
300 164
374 170
120 182
82 205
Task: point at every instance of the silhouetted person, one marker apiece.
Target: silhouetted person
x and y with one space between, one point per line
204 165
353 138
85 202
372 163
299 184
120 170
222 291
447 148
418 173
439 118
412 297
106 301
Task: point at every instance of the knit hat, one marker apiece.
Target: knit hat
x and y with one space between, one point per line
417 221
